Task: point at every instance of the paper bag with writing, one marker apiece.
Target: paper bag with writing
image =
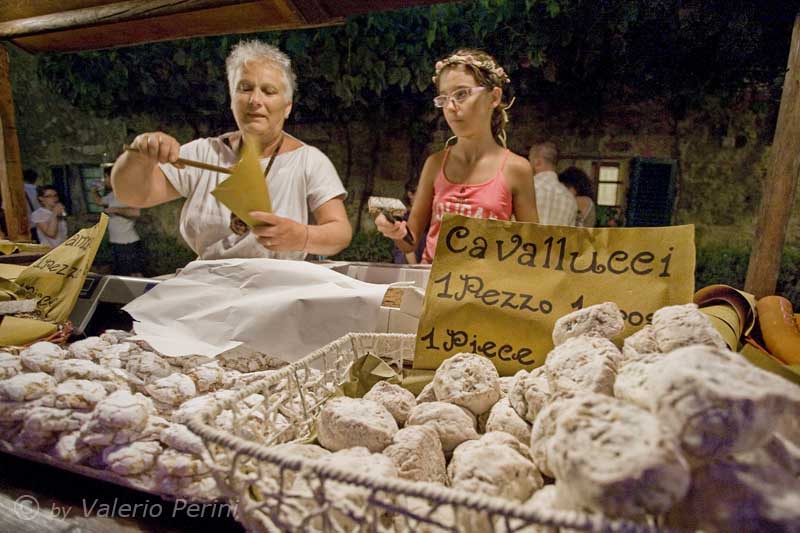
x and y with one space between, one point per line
54 281
497 288
9 247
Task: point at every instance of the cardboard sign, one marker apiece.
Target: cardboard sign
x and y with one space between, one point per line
55 280
246 190
497 287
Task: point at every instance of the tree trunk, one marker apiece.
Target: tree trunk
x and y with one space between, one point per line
780 186
11 185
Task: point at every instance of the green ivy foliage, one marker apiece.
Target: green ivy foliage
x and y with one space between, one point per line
727 264
367 246
578 52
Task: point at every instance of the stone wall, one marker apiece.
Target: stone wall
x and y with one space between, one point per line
722 153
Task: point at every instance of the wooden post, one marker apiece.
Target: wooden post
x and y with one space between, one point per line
780 186
11 185
105 14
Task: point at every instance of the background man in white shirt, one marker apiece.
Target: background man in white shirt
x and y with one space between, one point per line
556 205
126 247
30 176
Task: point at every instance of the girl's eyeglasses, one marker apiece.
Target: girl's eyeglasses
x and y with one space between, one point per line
458 96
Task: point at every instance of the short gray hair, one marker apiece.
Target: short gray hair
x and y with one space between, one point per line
260 52
545 150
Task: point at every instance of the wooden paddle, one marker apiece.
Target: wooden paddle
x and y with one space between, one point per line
189 162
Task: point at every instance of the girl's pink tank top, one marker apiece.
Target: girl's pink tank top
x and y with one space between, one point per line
490 199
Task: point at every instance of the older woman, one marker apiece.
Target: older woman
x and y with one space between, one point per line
301 179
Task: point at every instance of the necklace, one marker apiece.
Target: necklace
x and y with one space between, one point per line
277 143
272 157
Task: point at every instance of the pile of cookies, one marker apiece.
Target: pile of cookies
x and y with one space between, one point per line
673 425
117 405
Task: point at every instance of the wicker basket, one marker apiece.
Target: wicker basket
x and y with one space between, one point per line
263 482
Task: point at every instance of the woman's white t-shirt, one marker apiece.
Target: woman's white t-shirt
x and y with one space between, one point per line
299 182
43 216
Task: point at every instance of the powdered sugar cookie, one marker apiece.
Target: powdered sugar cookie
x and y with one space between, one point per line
468 380
397 400
601 320
348 422
27 386
78 394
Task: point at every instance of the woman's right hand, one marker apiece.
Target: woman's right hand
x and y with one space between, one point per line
157 145
395 231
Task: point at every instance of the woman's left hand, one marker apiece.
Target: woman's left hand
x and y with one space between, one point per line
279 234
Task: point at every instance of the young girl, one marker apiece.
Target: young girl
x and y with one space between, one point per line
478 176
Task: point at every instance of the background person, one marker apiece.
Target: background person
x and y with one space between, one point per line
29 177
50 218
579 184
302 182
478 176
556 205
127 251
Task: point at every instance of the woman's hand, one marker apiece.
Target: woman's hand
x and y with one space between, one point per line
279 234
157 145
395 231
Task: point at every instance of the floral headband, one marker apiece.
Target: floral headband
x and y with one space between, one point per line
487 66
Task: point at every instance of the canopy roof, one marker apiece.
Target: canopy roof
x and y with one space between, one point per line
73 25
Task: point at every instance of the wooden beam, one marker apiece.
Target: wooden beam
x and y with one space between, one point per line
105 14
311 11
11 185
242 18
780 186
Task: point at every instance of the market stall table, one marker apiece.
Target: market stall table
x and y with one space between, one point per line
94 506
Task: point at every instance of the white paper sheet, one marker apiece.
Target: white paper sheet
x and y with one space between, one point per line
286 309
